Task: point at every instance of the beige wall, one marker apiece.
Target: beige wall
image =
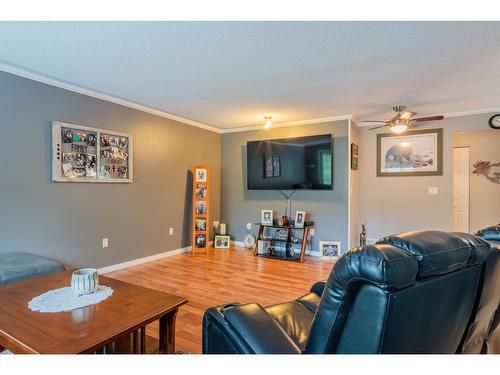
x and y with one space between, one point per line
328 209
66 221
394 204
484 194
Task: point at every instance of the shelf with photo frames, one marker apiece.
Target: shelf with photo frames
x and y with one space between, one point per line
200 228
282 242
86 154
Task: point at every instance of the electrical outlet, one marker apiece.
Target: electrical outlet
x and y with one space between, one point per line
171 231
105 242
249 226
370 241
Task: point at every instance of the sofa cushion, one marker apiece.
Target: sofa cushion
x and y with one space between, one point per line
18 266
437 252
295 319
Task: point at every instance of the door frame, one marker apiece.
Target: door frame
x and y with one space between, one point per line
468 184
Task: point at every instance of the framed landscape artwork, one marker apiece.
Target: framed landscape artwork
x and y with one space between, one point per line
415 153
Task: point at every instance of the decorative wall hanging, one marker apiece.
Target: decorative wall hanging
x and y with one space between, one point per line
354 156
416 153
84 154
200 228
489 170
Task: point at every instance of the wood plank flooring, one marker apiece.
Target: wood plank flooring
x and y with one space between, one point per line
220 276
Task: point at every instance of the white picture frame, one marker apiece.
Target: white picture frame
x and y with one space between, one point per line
300 218
222 241
59 153
330 249
266 217
201 175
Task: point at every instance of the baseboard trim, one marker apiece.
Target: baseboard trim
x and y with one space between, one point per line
135 262
238 243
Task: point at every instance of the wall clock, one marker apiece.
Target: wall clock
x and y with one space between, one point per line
494 121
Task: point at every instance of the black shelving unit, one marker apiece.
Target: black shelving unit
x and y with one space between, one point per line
273 236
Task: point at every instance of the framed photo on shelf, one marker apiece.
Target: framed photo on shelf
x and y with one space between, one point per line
414 153
201 175
263 247
330 249
222 242
200 224
300 217
266 217
201 241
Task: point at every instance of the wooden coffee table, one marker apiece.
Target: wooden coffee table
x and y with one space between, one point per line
115 325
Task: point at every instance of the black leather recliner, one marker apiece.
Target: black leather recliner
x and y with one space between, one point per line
483 331
410 293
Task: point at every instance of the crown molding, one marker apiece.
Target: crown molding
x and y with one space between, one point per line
289 123
127 103
99 95
472 112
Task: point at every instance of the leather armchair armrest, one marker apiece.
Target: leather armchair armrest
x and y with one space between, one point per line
259 330
244 329
318 288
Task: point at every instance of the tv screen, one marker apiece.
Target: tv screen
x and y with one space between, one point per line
290 163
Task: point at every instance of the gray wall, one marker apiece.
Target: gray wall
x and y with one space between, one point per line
239 206
66 221
484 195
354 186
394 204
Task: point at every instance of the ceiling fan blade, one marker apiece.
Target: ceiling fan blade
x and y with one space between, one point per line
378 127
431 118
375 121
408 115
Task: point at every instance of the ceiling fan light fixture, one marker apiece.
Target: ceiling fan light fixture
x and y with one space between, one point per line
268 123
400 128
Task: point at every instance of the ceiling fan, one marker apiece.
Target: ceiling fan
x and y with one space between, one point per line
402 120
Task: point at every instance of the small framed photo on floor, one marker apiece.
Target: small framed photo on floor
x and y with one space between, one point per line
330 249
222 242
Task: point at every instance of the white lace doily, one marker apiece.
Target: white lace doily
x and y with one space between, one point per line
64 299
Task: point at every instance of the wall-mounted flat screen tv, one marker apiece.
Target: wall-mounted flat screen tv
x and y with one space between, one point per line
290 163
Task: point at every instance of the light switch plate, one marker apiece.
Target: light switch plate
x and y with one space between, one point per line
171 231
432 190
105 242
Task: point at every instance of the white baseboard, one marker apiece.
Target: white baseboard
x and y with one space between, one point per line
135 262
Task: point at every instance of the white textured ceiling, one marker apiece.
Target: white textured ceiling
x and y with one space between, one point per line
232 74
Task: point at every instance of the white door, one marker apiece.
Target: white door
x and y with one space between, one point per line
461 189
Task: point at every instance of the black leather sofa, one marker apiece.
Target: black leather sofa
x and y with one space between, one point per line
410 293
483 331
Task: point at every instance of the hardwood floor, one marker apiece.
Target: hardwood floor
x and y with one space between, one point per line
221 276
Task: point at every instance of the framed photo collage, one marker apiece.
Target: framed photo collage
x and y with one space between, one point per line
84 154
200 208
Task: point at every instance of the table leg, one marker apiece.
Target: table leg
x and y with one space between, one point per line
123 345
167 332
143 340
